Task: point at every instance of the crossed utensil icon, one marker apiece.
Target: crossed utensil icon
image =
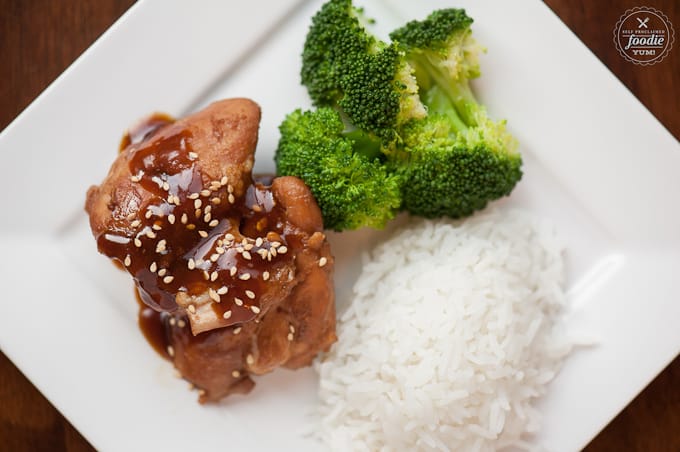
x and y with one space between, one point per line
643 23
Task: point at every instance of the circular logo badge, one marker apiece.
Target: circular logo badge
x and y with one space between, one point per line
644 35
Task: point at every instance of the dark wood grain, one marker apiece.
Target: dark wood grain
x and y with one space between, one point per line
40 38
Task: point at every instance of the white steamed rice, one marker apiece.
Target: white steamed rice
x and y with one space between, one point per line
451 335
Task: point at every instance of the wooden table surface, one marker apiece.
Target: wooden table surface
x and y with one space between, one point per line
40 38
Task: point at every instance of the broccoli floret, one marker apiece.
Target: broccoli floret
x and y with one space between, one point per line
446 174
334 33
445 57
342 168
345 66
442 40
456 159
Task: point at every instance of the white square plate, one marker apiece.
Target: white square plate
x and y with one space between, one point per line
596 163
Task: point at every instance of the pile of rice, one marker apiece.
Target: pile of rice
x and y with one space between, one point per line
452 333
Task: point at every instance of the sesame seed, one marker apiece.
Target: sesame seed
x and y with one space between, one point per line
275 244
156 227
227 314
192 309
131 216
223 290
258 242
250 359
263 253
197 213
229 237
291 328
168 279
160 247
193 196
256 208
246 255
255 309
231 198
215 185
153 267
214 257
238 301
177 200
184 218
191 264
171 218
162 272
203 234
201 392
224 180
265 275
205 192
236 374
232 271
208 209
219 250
157 180
272 252
197 203
248 246
323 261
191 226
171 351
127 261
150 234
166 186
216 200
193 155
290 336
244 277
148 214
135 178
135 223
138 243
230 189
214 296
213 276
207 217
237 330
206 275
282 249
181 323
250 294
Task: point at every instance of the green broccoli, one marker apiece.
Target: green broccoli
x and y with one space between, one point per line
344 65
342 168
456 159
446 174
417 128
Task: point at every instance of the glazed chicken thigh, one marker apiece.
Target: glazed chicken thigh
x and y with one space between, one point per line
235 272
